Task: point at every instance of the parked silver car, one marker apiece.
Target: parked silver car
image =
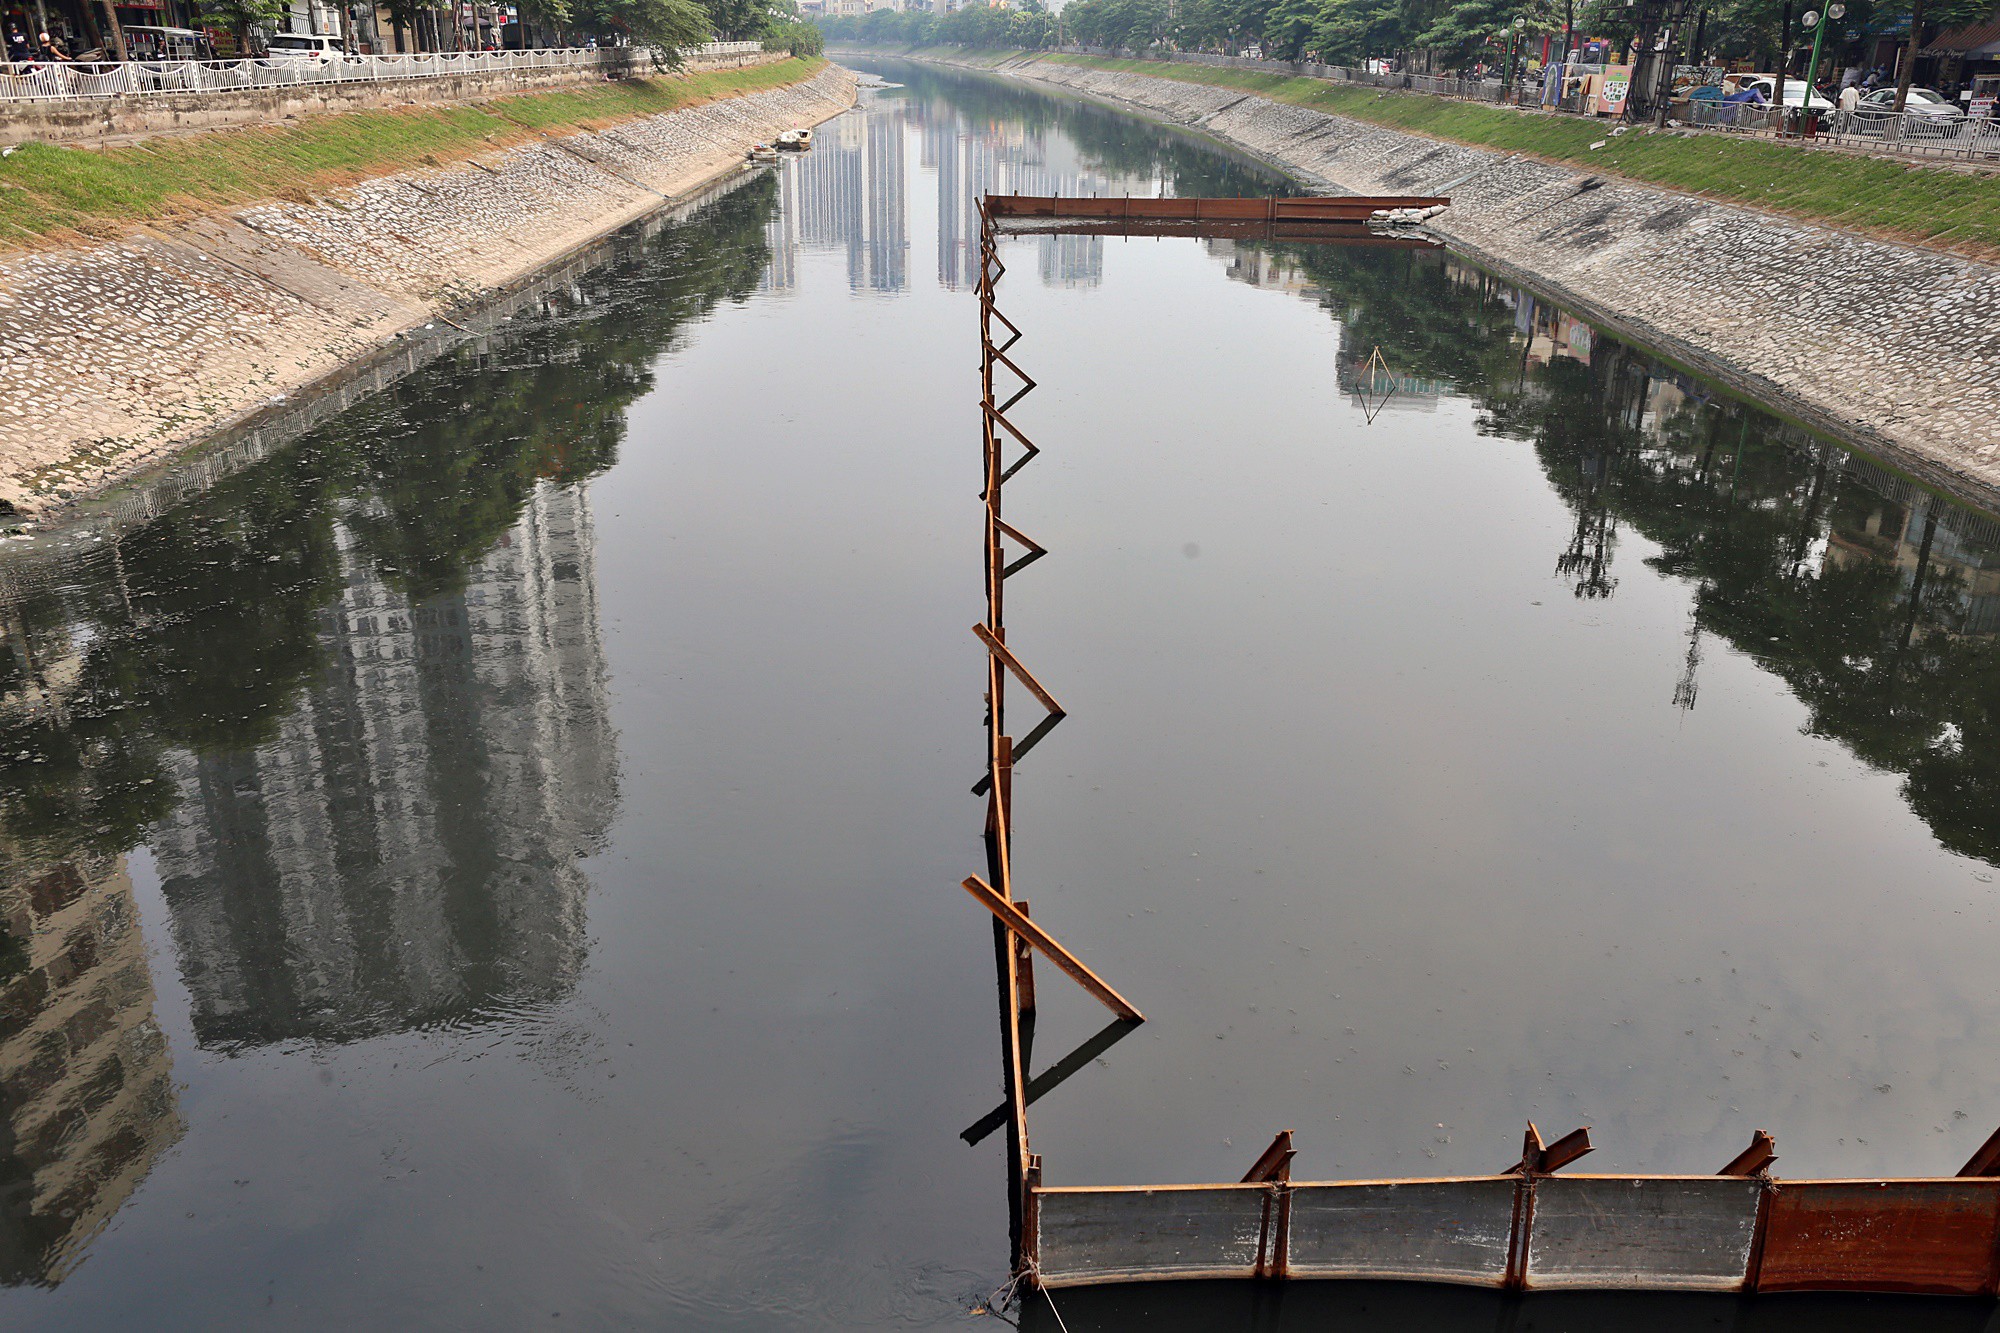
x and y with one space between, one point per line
1925 113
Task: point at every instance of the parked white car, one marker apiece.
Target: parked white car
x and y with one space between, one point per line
1795 91
299 47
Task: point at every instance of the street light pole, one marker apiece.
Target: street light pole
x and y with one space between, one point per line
1513 42
1818 23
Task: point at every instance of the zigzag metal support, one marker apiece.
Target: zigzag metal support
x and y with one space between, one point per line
1000 761
1015 933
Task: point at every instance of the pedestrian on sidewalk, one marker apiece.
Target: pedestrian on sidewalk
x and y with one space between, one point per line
18 51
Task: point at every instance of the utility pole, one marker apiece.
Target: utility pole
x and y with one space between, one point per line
1663 74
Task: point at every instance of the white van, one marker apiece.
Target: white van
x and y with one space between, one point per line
296 47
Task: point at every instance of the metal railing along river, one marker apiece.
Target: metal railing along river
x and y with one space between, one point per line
38 81
1913 133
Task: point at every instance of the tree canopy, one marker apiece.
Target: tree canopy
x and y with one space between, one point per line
1417 34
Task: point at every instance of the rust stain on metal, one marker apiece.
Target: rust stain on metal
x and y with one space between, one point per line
1933 1236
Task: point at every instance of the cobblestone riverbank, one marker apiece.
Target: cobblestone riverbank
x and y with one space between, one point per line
116 355
1894 348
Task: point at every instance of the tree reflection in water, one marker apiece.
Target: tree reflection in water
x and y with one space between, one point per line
353 697
1877 602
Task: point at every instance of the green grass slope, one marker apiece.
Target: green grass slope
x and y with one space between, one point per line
51 194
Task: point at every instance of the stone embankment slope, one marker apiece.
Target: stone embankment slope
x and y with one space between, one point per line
117 354
1894 347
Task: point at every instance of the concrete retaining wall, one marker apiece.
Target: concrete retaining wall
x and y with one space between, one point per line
1892 347
97 119
118 354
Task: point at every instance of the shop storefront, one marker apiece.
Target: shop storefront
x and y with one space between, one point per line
1967 64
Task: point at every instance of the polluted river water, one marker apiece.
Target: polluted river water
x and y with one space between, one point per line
494 862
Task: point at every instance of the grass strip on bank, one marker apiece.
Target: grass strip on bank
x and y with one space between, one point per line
52 193
1935 206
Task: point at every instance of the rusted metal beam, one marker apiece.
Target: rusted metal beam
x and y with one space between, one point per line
1021 748
1027 381
1304 208
1985 1162
1024 966
1754 1160
1276 1161
1538 1159
1357 235
983 893
991 311
1020 673
1035 549
1031 1217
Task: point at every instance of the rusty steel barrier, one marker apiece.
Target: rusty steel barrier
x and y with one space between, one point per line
1017 936
1525 1228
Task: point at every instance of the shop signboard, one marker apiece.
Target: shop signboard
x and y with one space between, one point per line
1613 91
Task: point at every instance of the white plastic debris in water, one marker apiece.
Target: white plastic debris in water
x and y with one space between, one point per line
1404 217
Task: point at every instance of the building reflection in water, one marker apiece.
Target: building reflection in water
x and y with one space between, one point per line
87 1099
354 697
851 194
404 851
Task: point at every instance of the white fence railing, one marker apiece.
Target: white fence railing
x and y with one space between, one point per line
1918 133
34 82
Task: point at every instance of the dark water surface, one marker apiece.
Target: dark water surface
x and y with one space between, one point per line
493 864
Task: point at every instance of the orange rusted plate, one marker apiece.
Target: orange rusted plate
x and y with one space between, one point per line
1305 208
1900 1235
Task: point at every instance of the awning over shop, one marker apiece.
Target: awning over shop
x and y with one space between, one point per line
1974 41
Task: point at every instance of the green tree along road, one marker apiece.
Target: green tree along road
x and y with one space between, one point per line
1419 34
